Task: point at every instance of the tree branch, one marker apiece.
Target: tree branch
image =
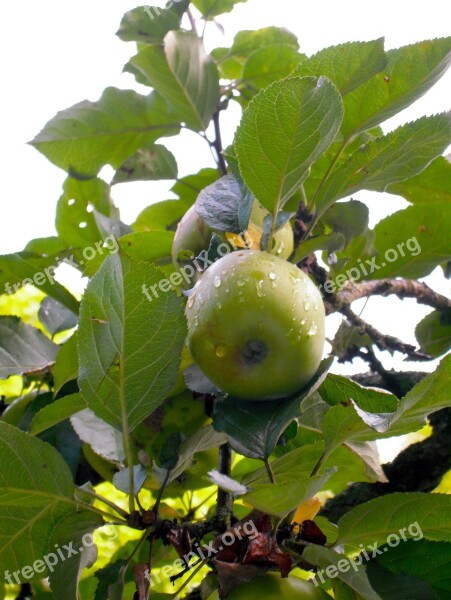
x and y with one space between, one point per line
382 341
224 502
402 288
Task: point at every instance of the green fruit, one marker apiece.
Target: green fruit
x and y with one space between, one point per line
256 325
271 586
193 235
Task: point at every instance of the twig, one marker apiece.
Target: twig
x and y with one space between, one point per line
217 145
116 508
161 490
185 583
382 341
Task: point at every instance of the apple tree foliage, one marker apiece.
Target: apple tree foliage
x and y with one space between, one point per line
105 420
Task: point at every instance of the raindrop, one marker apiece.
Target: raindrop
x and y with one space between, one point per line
191 300
217 281
304 321
273 276
220 351
313 328
260 291
240 283
306 306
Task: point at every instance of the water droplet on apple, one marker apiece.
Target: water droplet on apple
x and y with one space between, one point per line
220 351
313 329
217 281
273 276
260 290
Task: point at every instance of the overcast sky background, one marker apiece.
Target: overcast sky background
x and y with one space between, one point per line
57 53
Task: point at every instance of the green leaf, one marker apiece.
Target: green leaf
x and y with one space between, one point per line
129 348
353 574
410 72
149 24
358 414
347 65
348 218
305 115
296 464
422 515
213 8
424 559
87 136
21 268
396 156
204 439
109 576
412 242
56 412
431 185
392 586
23 349
71 530
337 389
148 246
150 163
255 433
433 333
188 188
231 60
76 222
279 499
36 492
293 482
183 74
269 64
332 243
66 363
429 395
160 216
55 317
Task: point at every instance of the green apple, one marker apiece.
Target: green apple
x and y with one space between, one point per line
271 586
193 235
256 325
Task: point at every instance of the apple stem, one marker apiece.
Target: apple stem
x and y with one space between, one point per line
224 501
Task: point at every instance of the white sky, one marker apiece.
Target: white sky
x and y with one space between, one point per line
57 53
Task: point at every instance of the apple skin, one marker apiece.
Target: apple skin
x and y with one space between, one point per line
194 235
271 586
256 326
